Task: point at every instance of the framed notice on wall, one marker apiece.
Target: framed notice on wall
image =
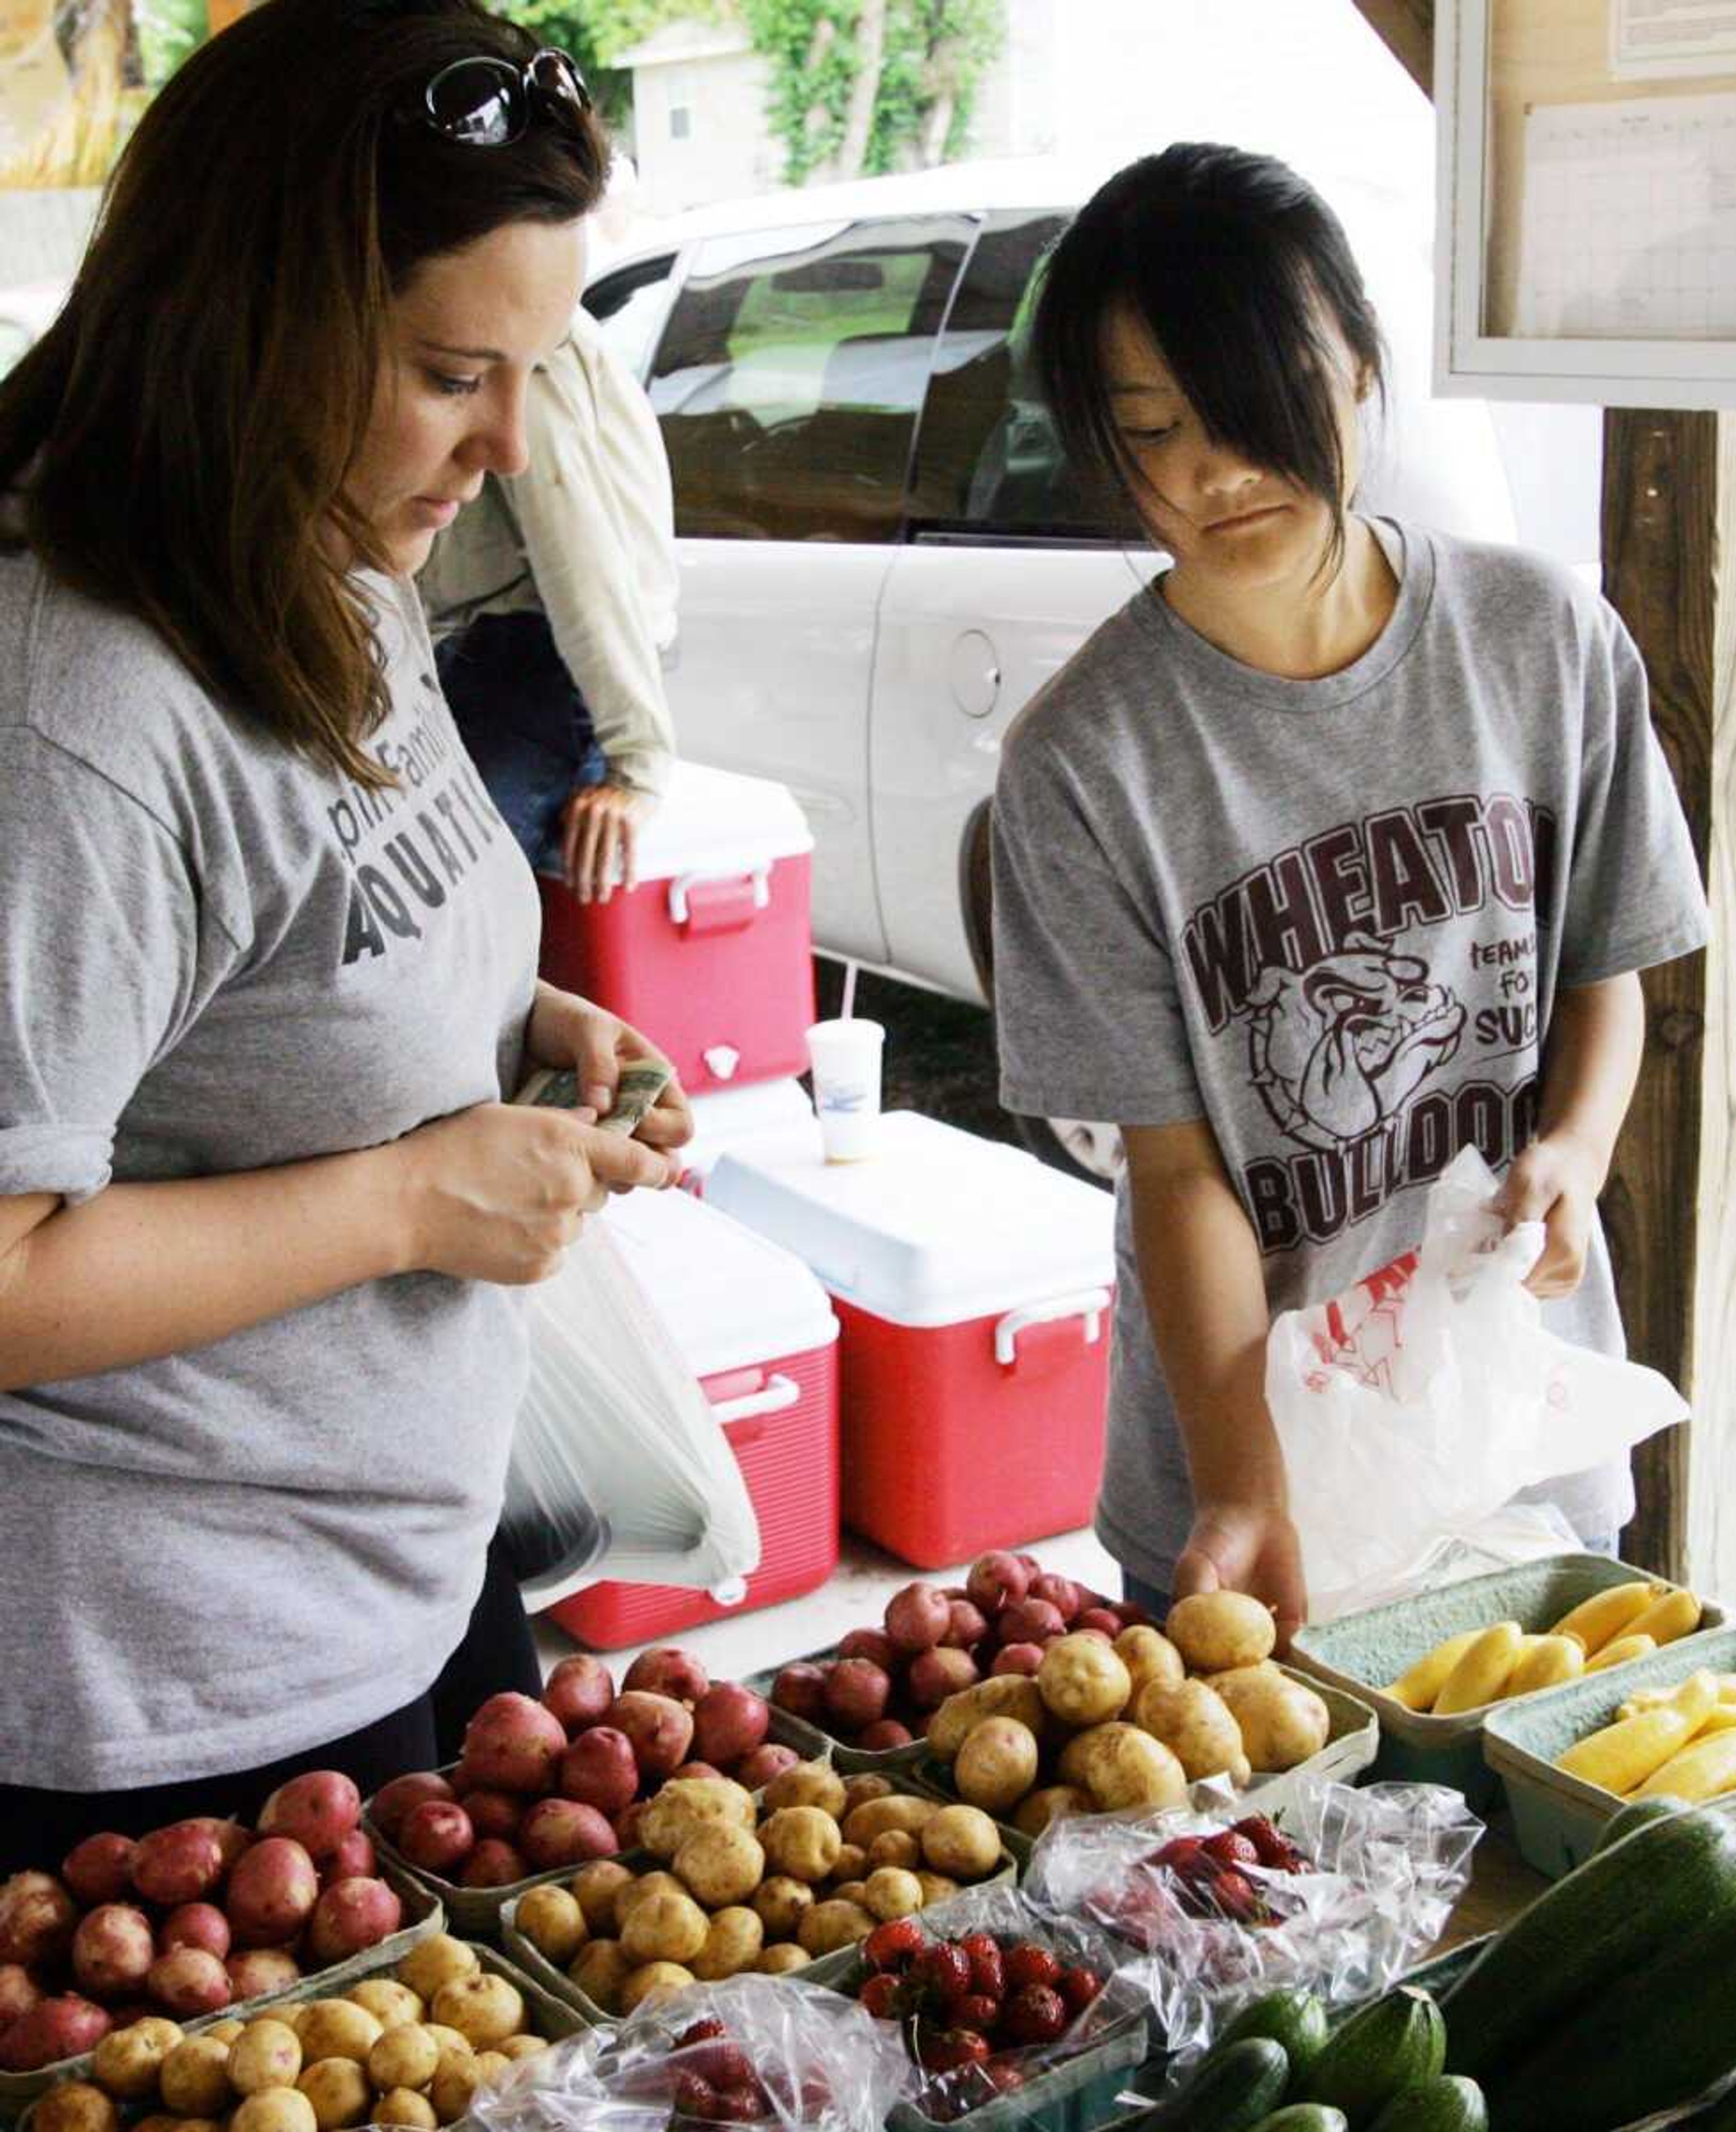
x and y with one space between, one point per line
1588 200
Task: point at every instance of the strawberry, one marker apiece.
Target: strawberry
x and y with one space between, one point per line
884 1996
725 2065
1270 1846
975 2010
701 2032
1079 1986
1176 1853
1230 1847
1235 1897
945 2050
944 1967
1028 1963
695 2097
1004 2076
742 2105
891 1946
1035 2013
988 1972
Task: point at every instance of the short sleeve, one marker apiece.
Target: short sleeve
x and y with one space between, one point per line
1632 895
1090 1022
99 948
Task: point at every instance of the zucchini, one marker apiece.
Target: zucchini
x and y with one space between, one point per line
1296 2019
1656 2036
1391 2044
1448 2103
1304 2117
1719 2116
1231 2091
1635 1814
1607 1920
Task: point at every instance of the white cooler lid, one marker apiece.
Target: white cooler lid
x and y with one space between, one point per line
938 1227
732 1117
712 821
729 1298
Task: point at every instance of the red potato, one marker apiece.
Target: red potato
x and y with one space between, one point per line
626 1824
351 1917
754 1771
1018 1657
1068 1598
666 1671
1033 1567
493 1865
729 1721
856 1693
196 1924
696 1770
65 2027
917 1617
936 1675
271 1893
661 1729
873 1645
1131 1614
100 1870
1099 1618
996 1581
318 1810
392 1801
180 1864
232 1838
18 1993
36 1920
112 1951
801 1690
188 1982
355 1856
600 1769
438 1836
493 1813
579 1692
514 1744
260 1970
966 1627
1030 1621
558 1831
885 1732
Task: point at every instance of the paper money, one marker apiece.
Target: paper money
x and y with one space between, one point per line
556 1088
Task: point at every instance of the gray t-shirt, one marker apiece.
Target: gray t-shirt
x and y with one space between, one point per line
219 958
1330 918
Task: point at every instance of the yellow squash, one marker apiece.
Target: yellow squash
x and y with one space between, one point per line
1419 1685
1606 1614
1482 1673
1630 1646
1676 1614
1623 1755
1704 1770
1544 1662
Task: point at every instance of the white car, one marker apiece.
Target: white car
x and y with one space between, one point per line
883 553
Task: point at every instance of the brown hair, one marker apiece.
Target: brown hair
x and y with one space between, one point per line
181 434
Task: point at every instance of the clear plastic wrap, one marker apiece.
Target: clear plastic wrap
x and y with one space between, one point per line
822 2064
1385 1865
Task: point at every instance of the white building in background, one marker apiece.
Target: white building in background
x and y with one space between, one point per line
700 128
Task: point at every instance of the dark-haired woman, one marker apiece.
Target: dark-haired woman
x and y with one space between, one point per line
268 955
1338 850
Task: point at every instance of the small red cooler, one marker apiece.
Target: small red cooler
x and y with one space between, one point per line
758 1332
974 1286
712 955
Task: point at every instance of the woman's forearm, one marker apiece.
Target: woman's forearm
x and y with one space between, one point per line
144 1270
1597 1036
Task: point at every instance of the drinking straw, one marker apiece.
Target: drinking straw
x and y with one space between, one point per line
846 1009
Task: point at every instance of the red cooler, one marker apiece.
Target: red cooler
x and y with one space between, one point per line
974 1286
712 956
758 1333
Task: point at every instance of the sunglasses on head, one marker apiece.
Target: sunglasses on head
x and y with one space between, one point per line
488 103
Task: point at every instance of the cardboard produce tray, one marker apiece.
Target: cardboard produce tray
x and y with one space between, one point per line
1363 1653
1557 1817
814 1740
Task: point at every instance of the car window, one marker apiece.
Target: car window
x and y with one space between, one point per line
629 305
788 377
988 459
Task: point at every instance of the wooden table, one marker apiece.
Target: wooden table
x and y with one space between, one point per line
1502 1885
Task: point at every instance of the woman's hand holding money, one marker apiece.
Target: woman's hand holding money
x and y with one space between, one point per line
615 1070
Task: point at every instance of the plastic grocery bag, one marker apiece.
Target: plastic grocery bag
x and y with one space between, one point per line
1412 1408
620 1467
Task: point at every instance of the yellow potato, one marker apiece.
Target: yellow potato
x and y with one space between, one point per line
852 1862
1043 1807
961 1841
390 2004
781 1960
266 2054
1196 1724
936 1888
781 1903
721 1865
997 1764
403 2105
662 1928
1282 1721
1002 1695
404 2057
600 1971
449 2039
1122 1766
628 1900
1082 1681
435 1963
340 2091
596 1886
654 1981
802 1842
225 2032
126 2062
275 2110
894 1810
194 2080
553 1919
686 1804
736 1941
898 1846
454 2085
1148 1655
524 2047
482 2008
891 1892
1214 1630
493 2065
859 1790
809 1784
337 2029
76 2105
849 1891
829 1926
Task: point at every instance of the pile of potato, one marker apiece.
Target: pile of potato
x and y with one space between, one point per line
1105 1725
816 1868
409 2048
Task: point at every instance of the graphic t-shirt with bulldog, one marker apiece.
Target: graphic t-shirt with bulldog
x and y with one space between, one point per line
1332 918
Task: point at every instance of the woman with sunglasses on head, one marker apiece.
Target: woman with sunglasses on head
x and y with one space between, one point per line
269 953
1338 849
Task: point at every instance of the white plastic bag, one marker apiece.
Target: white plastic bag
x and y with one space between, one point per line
616 1432
1413 1409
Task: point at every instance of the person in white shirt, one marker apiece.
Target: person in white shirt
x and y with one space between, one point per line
552 601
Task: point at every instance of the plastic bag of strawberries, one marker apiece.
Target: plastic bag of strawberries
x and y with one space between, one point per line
989 1997
767 2051
1216 1905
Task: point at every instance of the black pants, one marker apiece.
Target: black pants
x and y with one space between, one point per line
39 1827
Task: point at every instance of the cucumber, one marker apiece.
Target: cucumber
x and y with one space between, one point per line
1448 2103
1719 2116
1304 2117
1392 2044
1635 1815
1296 2019
1651 2040
1598 1925
1231 2091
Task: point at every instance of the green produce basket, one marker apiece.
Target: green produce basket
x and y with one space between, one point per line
1363 1653
814 1740
1557 1817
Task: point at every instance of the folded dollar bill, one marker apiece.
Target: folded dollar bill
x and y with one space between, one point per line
556 1088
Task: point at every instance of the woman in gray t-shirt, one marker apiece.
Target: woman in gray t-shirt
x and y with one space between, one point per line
1337 850
268 954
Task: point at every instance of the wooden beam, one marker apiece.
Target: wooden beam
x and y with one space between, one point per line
1662 557
1407 28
